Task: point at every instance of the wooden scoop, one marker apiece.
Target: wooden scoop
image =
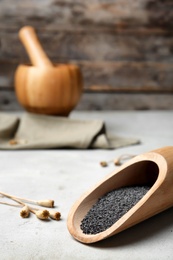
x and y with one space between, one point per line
153 168
44 87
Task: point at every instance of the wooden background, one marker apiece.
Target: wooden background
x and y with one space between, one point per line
124 48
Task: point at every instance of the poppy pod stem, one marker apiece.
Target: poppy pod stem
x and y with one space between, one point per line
11 197
10 204
44 203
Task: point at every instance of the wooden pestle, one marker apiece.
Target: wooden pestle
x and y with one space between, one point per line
33 47
44 87
154 168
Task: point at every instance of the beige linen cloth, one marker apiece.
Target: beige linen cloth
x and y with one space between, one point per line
31 131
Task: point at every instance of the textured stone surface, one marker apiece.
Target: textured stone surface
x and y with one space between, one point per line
64 175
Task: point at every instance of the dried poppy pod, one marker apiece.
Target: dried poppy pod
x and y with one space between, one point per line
44 87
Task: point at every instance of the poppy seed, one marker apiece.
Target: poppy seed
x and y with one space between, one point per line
111 207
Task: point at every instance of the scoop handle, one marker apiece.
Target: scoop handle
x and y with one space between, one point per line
33 47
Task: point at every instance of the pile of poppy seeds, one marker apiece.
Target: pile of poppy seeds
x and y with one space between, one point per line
111 207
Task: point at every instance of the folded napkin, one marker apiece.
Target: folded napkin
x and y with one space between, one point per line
31 131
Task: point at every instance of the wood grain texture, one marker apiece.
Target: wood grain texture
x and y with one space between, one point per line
94 45
154 168
112 76
119 45
128 76
122 13
102 101
123 101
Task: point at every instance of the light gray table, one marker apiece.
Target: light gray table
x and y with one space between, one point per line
64 175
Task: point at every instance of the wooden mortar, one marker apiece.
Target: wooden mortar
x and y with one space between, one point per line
154 168
43 87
